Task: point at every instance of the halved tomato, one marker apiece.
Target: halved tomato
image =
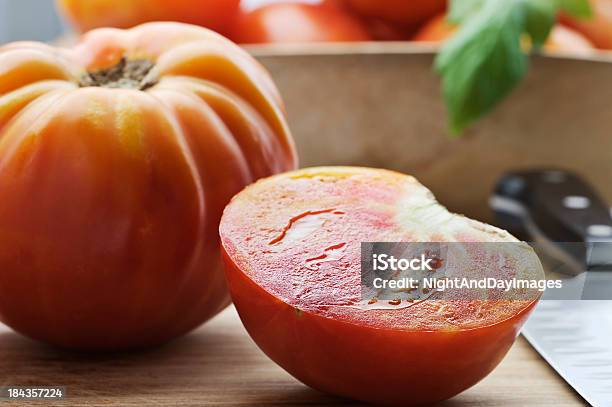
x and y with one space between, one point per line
292 247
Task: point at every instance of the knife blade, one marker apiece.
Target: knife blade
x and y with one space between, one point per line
571 227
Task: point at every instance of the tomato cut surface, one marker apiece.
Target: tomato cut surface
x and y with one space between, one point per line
292 245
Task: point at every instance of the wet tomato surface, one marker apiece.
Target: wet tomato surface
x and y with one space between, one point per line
292 249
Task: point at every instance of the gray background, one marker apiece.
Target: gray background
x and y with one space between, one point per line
29 20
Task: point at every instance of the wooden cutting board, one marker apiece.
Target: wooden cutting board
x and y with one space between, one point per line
219 365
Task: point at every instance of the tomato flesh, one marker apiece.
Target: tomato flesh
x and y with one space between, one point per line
291 245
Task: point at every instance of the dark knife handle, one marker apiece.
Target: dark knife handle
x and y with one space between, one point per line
557 208
561 204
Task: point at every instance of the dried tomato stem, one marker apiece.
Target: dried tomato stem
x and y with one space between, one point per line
127 74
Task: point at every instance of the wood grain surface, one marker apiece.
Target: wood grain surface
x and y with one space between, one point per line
219 365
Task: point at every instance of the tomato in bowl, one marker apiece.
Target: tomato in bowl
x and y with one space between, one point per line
297 23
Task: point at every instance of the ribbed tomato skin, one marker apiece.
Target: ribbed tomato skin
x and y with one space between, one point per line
111 198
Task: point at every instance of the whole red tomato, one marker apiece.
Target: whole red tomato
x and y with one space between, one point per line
405 12
295 22
598 29
88 14
117 158
386 31
292 247
438 29
379 29
561 39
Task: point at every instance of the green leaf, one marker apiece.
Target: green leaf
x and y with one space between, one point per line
485 59
576 8
540 19
483 62
459 11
